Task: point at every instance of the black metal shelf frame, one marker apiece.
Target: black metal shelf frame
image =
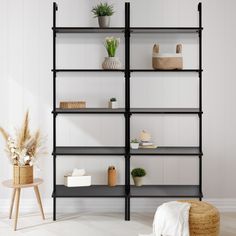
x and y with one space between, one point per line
127 191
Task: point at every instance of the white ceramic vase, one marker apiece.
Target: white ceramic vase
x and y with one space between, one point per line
111 63
134 145
138 181
113 105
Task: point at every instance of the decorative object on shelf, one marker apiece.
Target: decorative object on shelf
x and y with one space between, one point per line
113 103
204 218
138 174
77 178
103 11
111 62
23 151
73 105
167 61
111 176
134 144
146 142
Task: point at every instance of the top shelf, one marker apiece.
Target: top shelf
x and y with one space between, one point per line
157 30
134 30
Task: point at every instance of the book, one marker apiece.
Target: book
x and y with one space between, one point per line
148 146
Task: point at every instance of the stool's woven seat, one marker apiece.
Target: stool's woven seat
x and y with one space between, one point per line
204 219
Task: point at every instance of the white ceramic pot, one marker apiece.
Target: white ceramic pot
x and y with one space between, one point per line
138 181
104 21
111 63
113 105
134 145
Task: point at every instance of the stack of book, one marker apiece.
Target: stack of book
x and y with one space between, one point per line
147 144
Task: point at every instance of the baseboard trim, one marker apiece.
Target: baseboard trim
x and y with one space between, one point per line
107 205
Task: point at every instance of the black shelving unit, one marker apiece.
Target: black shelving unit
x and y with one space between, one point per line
127 191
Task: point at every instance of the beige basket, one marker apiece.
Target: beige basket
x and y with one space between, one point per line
23 174
167 61
204 219
73 105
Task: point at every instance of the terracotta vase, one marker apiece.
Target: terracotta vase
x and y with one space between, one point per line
111 176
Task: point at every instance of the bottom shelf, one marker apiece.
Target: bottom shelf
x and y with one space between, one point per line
161 191
165 191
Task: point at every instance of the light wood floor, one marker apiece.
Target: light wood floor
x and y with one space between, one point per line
93 224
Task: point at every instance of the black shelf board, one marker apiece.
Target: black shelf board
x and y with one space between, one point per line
120 151
166 191
86 30
90 111
88 150
87 70
152 70
167 151
89 191
165 110
154 30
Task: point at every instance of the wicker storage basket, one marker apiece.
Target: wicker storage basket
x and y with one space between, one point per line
164 61
204 219
23 174
73 105
111 176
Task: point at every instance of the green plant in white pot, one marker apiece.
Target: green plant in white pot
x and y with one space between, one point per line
134 144
103 11
138 174
111 62
113 103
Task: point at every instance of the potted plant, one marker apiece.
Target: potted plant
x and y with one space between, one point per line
111 62
134 143
23 151
138 174
103 11
113 103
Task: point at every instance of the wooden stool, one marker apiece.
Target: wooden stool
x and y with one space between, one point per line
16 196
204 219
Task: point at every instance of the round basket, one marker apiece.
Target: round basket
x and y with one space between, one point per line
204 219
23 174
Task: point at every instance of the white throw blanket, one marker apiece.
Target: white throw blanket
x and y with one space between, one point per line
171 219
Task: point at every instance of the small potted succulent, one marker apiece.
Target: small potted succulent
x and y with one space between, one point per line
113 103
138 174
111 62
103 11
134 144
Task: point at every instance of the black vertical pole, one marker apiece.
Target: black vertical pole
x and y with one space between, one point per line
200 98
54 109
127 111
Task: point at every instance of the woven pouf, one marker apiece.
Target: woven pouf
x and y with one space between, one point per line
204 219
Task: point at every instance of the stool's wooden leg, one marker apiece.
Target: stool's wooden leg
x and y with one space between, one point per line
36 189
17 206
12 202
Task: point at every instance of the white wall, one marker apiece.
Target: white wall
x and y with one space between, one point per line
26 82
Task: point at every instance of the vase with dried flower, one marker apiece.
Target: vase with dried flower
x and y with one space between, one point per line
23 151
111 62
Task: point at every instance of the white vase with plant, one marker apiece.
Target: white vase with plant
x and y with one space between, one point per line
23 151
113 103
134 144
103 11
111 62
138 174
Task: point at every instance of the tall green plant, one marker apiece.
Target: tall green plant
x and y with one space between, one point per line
103 9
111 44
